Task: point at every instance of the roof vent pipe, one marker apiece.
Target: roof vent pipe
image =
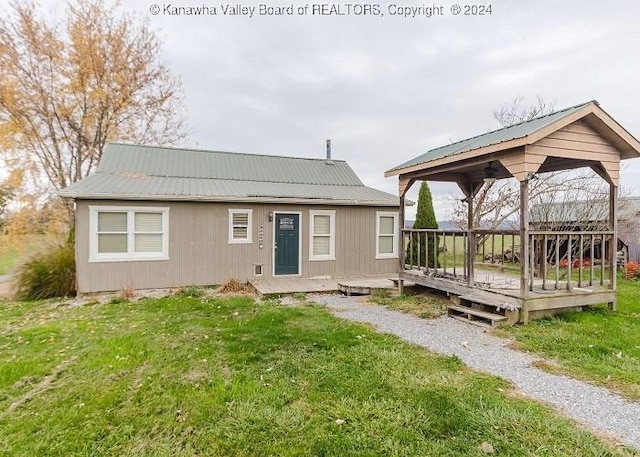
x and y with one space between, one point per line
328 150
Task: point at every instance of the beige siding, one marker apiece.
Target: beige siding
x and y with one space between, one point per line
576 141
199 252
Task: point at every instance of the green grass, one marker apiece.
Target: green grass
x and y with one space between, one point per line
228 377
598 345
8 255
424 305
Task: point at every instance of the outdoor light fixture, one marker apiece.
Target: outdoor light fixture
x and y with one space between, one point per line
490 173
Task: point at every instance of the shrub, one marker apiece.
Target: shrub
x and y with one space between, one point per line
190 292
234 286
50 272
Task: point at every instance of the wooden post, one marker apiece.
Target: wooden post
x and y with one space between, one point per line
524 247
613 244
401 252
471 242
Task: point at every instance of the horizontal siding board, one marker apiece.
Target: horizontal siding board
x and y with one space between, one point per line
571 154
563 145
592 138
580 127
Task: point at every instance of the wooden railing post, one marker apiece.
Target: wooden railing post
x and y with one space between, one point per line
401 252
524 243
471 242
613 244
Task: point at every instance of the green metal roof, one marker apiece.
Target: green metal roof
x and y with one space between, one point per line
502 135
194 163
134 172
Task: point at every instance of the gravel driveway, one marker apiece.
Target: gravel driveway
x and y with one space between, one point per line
594 406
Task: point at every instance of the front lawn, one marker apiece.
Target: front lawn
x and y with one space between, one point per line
230 377
596 345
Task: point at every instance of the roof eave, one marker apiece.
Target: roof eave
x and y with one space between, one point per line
232 198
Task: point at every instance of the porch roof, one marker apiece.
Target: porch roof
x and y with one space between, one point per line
467 160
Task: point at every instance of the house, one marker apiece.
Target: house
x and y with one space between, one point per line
156 217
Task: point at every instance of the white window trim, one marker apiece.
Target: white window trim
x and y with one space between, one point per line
130 255
394 254
332 235
249 238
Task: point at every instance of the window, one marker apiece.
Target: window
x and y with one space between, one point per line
386 235
119 233
322 236
240 226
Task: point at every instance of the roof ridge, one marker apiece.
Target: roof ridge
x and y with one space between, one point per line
515 125
211 151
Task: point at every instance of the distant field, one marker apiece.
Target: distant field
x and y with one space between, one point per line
13 247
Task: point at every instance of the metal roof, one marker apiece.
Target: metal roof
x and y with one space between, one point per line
133 172
502 135
194 163
578 211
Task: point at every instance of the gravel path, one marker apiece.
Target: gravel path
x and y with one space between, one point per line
594 406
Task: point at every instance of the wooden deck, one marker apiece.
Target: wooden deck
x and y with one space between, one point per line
362 284
500 293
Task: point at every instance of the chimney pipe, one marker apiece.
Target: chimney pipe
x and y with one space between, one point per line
328 149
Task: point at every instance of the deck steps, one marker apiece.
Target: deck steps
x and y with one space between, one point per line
497 301
487 309
476 316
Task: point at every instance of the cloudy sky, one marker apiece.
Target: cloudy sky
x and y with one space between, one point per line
386 88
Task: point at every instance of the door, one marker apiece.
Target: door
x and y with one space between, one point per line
287 244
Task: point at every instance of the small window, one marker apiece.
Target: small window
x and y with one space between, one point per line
386 235
322 242
119 234
240 226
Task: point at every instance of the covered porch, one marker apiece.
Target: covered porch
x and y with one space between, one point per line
496 276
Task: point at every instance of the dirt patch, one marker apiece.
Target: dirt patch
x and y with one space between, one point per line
196 376
6 291
47 383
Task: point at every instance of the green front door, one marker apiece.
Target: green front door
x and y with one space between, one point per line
287 248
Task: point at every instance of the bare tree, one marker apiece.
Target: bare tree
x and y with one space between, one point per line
497 203
517 112
69 86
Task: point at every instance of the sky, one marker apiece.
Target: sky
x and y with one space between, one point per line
386 88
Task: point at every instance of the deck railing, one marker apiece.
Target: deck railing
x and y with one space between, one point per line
436 252
565 260
556 260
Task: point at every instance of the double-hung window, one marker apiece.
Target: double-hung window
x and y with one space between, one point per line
128 233
322 235
386 235
240 226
